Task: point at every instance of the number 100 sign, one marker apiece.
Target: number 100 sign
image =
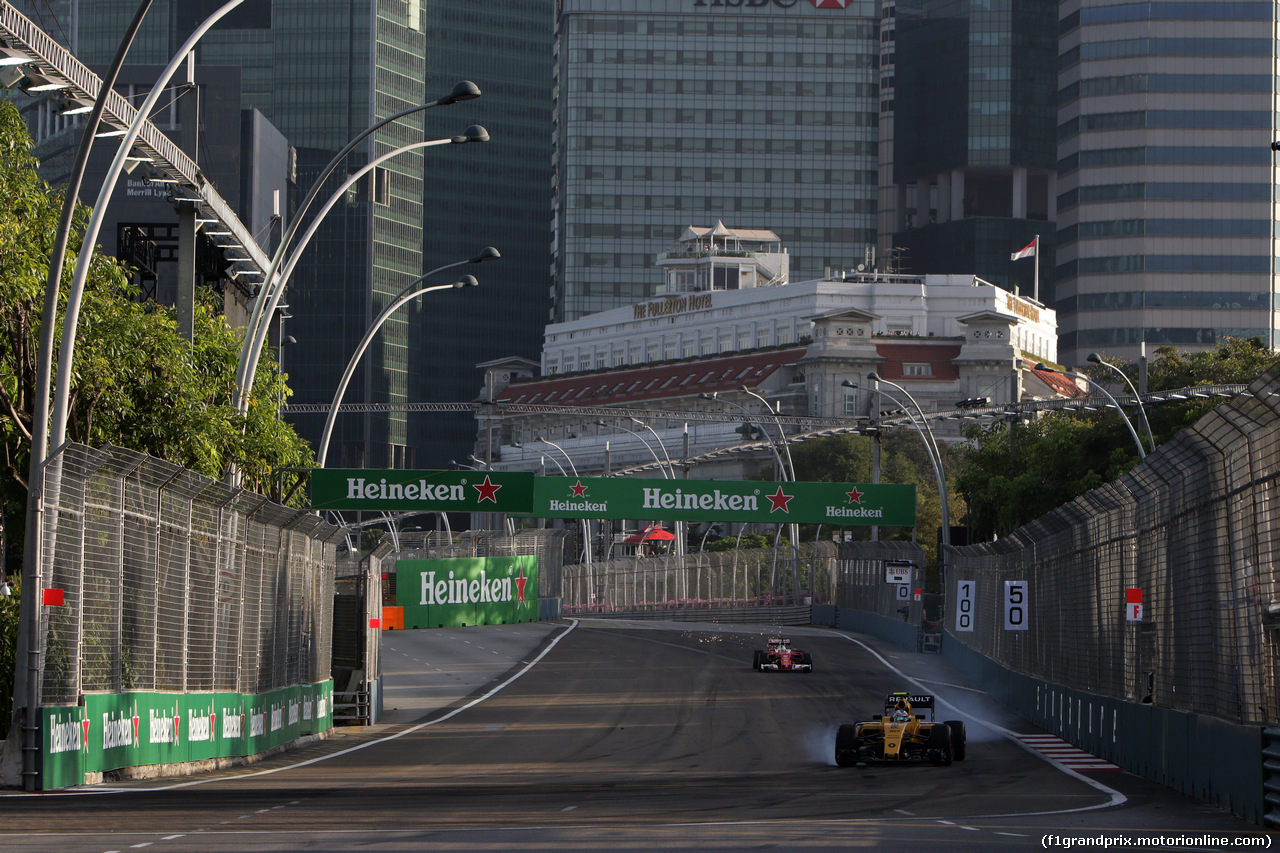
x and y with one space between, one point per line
1015 605
964 606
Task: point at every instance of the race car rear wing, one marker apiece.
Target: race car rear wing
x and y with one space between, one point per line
917 702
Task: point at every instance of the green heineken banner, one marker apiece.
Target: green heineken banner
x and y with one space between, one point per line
725 500
458 591
428 491
115 730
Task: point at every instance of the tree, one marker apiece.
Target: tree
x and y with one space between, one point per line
1014 472
904 459
136 382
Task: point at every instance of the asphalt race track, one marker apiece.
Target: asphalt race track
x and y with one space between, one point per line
629 736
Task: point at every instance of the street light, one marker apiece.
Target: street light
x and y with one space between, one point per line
931 447
646 444
252 348
411 291
273 289
782 469
586 522
782 436
1142 454
1097 359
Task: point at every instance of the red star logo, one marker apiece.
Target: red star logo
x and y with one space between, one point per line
85 725
578 489
177 723
779 501
488 490
520 584
855 496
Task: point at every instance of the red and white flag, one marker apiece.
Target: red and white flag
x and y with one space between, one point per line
1026 251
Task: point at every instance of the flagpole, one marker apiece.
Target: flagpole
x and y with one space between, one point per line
1037 255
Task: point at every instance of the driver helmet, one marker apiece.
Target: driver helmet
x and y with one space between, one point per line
901 716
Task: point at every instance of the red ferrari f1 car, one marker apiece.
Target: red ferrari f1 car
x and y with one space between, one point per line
780 657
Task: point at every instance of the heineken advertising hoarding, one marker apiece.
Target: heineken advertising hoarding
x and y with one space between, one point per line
888 505
114 730
427 491
460 591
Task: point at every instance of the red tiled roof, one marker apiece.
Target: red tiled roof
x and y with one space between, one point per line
626 385
1064 385
937 355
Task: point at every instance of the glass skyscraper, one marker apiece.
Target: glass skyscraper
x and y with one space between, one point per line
678 113
496 194
971 86
1166 178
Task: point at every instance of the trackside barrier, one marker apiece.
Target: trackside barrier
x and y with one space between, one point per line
795 615
1209 759
1271 775
181 620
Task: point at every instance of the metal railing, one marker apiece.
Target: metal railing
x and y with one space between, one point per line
172 581
757 577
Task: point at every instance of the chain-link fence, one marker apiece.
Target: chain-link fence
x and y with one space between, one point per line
1190 536
737 578
175 582
861 580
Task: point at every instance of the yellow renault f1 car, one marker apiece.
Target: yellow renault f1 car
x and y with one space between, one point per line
901 734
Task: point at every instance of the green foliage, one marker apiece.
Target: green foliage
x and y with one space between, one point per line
1013 474
135 382
8 652
744 542
904 458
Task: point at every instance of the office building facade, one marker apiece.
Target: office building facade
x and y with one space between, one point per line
670 113
970 88
1166 179
496 195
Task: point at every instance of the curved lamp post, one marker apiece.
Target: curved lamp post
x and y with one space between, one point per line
252 350
257 328
1094 358
931 446
1137 442
782 469
646 444
411 291
782 436
586 522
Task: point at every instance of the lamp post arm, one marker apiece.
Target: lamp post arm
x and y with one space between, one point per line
782 469
935 458
62 390
258 316
1137 442
648 447
251 352
568 458
1141 409
782 436
412 291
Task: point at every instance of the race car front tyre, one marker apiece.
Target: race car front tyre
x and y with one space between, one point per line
958 739
755 660
847 745
807 660
939 744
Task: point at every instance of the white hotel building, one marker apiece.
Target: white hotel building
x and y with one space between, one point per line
728 318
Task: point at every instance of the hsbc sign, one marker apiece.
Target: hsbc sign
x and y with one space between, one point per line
781 4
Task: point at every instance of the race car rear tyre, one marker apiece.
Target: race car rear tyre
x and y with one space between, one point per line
847 745
939 744
958 739
755 660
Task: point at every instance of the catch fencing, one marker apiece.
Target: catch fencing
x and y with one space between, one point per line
174 582
757 577
1189 536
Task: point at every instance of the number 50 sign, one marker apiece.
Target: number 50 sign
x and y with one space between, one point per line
1015 605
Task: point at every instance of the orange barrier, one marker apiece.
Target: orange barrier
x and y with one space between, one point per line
393 618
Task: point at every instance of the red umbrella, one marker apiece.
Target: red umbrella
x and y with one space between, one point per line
653 534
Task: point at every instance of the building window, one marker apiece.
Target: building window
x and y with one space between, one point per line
917 370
